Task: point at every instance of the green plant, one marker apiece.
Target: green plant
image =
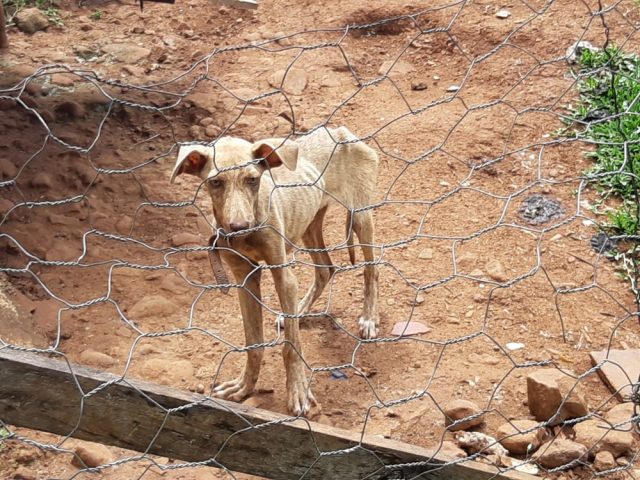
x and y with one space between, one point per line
96 15
48 8
608 116
54 16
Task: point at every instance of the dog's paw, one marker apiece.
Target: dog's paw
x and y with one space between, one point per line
234 390
301 402
368 328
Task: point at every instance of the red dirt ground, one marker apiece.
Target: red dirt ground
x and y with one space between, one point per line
436 189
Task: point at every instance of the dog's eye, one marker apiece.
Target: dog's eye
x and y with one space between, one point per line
215 183
253 181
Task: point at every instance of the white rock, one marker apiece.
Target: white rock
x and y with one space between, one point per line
503 13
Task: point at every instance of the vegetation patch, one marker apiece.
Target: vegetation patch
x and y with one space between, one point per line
607 115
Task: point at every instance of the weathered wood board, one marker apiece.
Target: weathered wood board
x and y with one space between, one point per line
620 371
52 395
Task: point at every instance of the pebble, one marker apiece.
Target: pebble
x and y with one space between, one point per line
295 82
91 455
503 13
521 443
153 306
426 254
453 88
513 346
460 409
206 121
23 474
559 452
97 359
41 180
604 461
496 271
185 238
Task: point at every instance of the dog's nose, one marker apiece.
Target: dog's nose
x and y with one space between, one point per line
238 226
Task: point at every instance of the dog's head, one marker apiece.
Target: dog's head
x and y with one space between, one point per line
231 170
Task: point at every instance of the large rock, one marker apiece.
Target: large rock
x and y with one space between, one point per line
460 409
521 436
31 20
559 452
91 455
599 436
552 393
126 52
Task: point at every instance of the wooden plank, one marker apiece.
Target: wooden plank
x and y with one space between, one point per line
243 4
4 42
46 394
621 370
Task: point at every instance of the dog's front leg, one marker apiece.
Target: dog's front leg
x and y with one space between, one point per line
300 398
251 308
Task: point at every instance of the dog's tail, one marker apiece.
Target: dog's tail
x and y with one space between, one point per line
349 234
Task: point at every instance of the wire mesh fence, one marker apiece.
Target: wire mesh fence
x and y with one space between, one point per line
489 237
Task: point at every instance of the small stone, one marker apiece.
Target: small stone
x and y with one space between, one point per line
184 238
426 254
126 52
97 359
513 346
41 180
206 121
450 451
398 67
574 52
69 111
23 474
153 306
91 455
295 81
599 436
460 409
496 271
604 461
552 393
31 20
63 80
200 388
559 452
474 442
124 224
419 86
453 88
521 443
25 455
7 169
503 13
212 131
196 132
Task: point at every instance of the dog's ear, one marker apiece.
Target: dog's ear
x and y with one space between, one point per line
191 160
277 151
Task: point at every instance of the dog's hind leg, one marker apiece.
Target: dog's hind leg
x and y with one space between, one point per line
369 320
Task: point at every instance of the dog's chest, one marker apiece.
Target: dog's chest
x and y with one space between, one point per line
293 199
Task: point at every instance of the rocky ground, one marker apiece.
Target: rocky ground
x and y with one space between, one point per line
464 118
